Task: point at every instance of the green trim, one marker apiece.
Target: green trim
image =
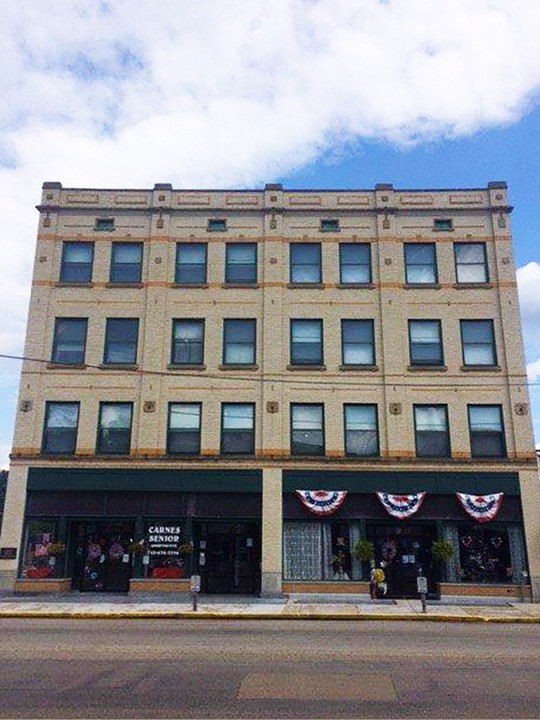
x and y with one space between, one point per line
75 479
443 483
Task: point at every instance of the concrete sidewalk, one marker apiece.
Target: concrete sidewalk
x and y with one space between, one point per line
257 609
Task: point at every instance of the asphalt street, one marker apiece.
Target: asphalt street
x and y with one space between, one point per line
267 669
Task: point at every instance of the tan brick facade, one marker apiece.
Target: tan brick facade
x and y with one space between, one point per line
274 218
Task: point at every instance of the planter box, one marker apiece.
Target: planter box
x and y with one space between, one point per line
457 590
46 585
150 585
326 587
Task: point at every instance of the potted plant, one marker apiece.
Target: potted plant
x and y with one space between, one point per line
442 552
364 551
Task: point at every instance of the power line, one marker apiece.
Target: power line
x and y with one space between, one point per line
292 381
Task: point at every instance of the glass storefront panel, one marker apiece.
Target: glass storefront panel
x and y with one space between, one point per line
167 550
318 550
484 555
42 553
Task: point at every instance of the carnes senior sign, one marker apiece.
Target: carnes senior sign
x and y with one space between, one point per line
164 540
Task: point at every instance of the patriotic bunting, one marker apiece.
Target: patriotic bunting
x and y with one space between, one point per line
401 506
482 508
322 502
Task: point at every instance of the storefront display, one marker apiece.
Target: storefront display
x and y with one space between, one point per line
41 550
167 550
484 555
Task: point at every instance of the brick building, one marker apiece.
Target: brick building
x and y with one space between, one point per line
195 357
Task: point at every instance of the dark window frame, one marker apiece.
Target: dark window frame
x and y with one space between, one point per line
342 264
114 265
486 264
179 246
225 344
429 363
329 225
168 444
64 263
448 453
99 449
292 265
493 343
106 361
199 321
291 429
437 224
58 320
377 452
211 225
228 281
44 435
373 349
502 431
320 322
104 224
435 263
222 429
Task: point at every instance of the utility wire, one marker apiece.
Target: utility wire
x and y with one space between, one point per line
269 378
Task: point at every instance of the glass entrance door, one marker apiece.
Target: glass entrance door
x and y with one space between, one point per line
228 557
103 561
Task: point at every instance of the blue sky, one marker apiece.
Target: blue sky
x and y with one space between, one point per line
311 93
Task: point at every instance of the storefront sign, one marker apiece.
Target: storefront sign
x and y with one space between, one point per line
482 508
322 502
164 539
8 553
401 506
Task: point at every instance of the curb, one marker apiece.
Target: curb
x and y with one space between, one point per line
190 615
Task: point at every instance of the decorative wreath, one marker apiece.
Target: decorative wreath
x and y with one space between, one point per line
94 551
116 551
389 550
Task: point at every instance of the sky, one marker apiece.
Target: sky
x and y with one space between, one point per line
310 93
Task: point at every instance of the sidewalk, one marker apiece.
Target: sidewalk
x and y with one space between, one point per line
120 607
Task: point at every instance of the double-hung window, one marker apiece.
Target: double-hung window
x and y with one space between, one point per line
77 261
431 431
238 428
361 430
126 262
425 342
188 342
305 263
69 341
354 263
121 337
190 264
241 263
471 263
487 431
478 341
114 428
307 429
60 431
306 342
357 342
184 429
420 264
239 342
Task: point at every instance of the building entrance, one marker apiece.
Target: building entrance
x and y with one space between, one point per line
404 549
228 556
102 557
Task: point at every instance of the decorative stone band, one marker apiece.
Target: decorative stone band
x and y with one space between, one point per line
481 508
401 506
322 502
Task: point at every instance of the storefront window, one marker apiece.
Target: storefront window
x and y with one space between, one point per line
167 550
42 556
484 555
317 551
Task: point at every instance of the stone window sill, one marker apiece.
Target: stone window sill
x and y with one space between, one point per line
118 366
355 286
428 368
305 286
239 367
481 368
359 368
65 366
74 284
124 285
473 286
421 286
306 367
247 286
190 285
185 366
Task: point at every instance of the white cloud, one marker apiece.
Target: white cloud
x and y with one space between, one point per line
533 370
207 93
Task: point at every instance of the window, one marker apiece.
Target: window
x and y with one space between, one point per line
484 555
216 225
60 433
188 342
329 225
121 336
361 432
487 432
238 428
241 263
69 342
77 261
354 263
431 431
306 342
357 342
114 429
40 559
104 224
184 432
425 342
471 263
478 341
420 263
305 262
442 224
307 429
126 262
239 342
190 263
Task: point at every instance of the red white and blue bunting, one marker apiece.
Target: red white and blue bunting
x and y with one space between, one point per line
322 502
401 506
482 508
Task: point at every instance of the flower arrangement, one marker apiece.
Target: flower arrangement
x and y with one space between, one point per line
363 551
57 548
442 550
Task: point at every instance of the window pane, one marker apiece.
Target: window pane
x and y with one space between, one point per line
116 416
238 417
237 428
241 263
470 253
431 428
358 346
471 263
184 428
239 342
190 263
62 415
188 342
306 345
60 435
430 418
425 339
121 341
305 259
76 262
477 331
69 340
126 262
485 418
361 430
115 428
307 417
78 252
487 444
478 342
420 263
